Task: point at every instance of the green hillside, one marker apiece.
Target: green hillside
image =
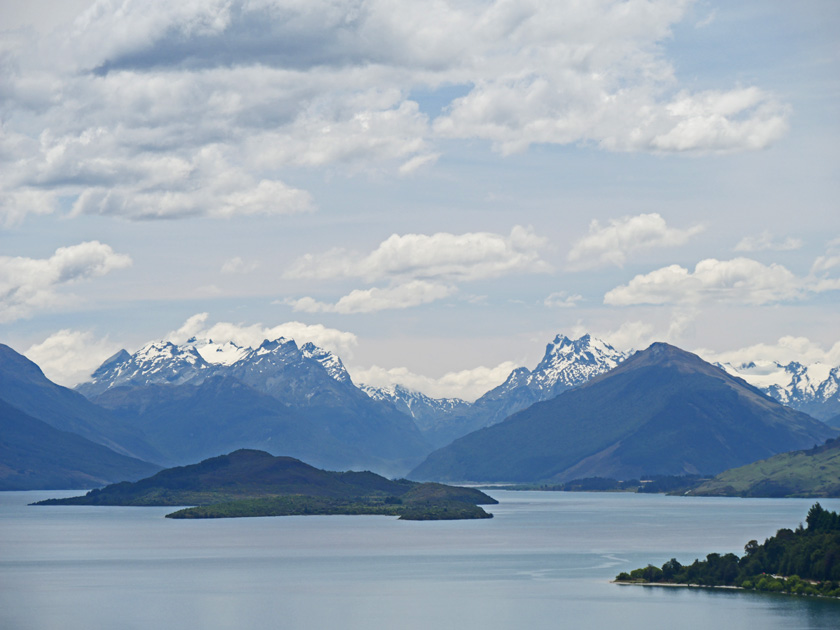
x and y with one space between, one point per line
811 473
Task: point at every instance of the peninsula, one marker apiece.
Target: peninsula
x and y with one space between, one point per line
805 561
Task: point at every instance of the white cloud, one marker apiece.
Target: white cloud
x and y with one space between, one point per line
561 299
465 384
455 257
764 241
611 244
134 95
399 296
636 335
14 206
237 265
784 350
740 280
252 335
32 284
420 268
715 121
69 357
202 184
829 260
824 263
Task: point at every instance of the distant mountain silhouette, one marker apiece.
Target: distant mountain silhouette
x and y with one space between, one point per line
36 456
24 386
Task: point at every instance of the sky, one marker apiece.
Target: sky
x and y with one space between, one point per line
431 190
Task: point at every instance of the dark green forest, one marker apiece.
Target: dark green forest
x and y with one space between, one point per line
804 561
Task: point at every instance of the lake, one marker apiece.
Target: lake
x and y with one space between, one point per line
544 561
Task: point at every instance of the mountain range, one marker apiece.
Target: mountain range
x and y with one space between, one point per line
661 411
172 404
195 400
566 363
813 389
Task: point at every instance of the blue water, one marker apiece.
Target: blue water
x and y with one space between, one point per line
544 561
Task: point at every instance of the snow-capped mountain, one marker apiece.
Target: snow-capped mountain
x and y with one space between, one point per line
202 398
427 412
813 389
277 367
330 362
565 364
157 362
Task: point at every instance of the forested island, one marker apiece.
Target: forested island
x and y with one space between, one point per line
254 483
804 561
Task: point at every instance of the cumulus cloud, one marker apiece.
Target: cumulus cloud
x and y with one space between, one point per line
69 357
155 109
457 257
252 335
611 244
464 384
765 241
399 296
740 280
419 268
32 284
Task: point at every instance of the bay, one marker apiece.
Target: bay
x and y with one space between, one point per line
544 561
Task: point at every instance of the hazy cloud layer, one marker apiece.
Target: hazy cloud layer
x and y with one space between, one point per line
237 265
398 296
740 280
561 299
152 109
465 384
784 350
611 244
765 241
28 285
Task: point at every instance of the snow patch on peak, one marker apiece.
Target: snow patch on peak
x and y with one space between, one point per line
330 362
226 353
272 346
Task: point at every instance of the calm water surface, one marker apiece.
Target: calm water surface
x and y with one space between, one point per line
544 561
